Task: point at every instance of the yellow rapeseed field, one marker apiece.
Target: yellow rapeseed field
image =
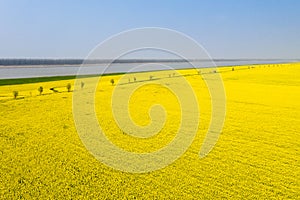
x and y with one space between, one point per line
257 154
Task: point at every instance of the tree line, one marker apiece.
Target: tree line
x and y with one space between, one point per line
34 61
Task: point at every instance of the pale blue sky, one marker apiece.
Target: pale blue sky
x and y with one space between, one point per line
226 28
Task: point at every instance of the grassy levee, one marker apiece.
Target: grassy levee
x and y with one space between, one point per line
33 80
19 81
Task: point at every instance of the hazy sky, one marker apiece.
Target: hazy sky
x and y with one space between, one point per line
226 28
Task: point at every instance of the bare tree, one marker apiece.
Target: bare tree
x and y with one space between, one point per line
15 93
112 81
69 87
40 89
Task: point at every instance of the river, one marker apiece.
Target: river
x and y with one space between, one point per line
14 72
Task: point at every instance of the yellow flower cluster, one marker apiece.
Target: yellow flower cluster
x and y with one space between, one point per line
256 156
